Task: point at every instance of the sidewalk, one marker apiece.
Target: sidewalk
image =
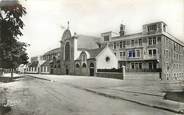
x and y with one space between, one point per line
149 93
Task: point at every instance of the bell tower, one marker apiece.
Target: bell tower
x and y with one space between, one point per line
67 52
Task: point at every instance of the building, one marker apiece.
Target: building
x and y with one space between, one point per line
82 55
153 49
35 65
78 55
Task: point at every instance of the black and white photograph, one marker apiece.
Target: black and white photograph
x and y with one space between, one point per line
91 57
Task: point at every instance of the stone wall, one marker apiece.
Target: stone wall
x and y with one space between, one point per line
115 75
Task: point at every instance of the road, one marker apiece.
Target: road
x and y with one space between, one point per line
31 96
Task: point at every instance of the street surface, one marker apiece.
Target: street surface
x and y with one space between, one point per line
66 96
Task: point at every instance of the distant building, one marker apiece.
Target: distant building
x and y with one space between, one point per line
153 49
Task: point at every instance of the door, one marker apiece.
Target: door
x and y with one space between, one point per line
92 70
67 70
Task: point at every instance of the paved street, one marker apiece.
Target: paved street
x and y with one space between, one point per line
32 96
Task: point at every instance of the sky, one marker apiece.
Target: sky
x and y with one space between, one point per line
47 19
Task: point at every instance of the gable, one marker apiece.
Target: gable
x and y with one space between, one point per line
106 59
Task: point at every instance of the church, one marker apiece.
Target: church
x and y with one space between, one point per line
78 55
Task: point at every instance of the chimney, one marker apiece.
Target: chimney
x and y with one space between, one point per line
122 30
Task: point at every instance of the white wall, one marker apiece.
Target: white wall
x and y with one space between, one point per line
101 62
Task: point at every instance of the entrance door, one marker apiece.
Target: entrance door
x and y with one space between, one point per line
92 70
67 71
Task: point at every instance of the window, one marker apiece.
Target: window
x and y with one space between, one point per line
107 59
150 41
121 53
124 42
67 51
164 28
120 44
83 57
106 38
159 39
140 42
84 65
133 53
59 65
140 65
138 53
150 52
132 42
152 28
154 40
129 53
132 64
114 45
154 65
154 52
77 65
150 65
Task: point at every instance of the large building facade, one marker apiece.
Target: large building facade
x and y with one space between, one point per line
153 49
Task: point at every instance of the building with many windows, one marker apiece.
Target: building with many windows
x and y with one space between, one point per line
153 49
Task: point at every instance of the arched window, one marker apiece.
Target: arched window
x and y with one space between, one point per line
84 65
77 65
107 59
83 57
91 65
67 51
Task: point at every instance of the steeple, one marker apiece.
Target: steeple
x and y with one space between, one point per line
68 25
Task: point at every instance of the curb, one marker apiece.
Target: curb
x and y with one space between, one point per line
137 102
39 78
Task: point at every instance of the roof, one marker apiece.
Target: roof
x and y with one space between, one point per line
94 52
88 42
128 36
56 50
34 64
46 63
139 35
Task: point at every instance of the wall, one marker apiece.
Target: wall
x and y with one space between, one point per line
142 75
172 59
101 62
115 75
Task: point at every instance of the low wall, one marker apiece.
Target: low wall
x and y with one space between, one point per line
142 75
115 75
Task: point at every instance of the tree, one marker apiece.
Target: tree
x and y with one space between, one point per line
12 52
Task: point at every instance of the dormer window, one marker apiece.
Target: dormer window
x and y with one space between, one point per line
106 38
152 28
164 28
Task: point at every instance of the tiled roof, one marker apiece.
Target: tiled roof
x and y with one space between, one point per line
88 42
83 42
94 52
